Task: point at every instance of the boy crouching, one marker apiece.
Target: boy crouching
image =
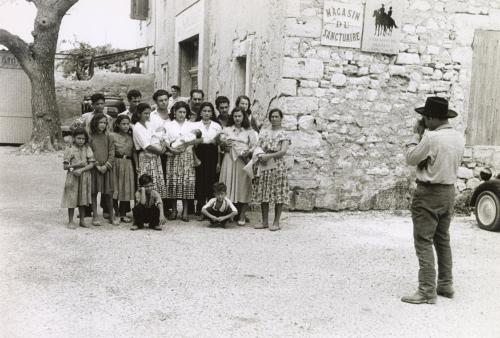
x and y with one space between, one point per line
220 208
148 205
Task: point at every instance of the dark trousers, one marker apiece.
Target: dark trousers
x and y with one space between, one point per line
143 215
432 209
121 207
218 213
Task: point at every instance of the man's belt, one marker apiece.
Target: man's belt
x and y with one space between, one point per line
430 184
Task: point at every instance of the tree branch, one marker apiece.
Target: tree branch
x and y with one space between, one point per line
35 2
16 46
62 6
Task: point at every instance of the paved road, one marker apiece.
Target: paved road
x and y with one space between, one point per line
324 274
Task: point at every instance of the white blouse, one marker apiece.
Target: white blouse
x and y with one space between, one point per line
142 136
156 121
209 134
176 130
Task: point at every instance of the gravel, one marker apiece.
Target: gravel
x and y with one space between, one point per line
323 274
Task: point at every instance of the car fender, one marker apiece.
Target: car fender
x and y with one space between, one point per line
491 185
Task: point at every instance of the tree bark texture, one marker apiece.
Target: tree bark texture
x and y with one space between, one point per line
37 60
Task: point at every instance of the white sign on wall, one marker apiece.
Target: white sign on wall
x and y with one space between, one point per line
342 24
382 26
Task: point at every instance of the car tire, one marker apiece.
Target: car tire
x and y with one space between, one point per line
487 211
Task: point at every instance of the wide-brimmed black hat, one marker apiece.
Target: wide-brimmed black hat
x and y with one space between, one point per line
436 106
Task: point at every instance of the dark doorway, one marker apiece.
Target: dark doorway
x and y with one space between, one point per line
188 65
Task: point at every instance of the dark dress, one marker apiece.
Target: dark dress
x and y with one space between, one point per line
207 152
104 151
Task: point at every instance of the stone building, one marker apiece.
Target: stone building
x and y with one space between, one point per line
349 112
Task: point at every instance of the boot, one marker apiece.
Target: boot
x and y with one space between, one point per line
418 298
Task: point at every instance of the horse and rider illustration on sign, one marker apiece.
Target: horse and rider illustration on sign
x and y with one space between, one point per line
382 26
384 22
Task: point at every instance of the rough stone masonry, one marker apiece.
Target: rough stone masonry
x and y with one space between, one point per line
350 112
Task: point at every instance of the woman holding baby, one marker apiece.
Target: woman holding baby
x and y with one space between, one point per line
180 176
238 141
148 149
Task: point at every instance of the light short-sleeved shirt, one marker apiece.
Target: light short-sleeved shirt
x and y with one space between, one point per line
156 121
226 204
77 154
142 136
437 155
209 134
172 101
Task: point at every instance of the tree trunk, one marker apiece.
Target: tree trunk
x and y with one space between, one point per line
46 134
37 60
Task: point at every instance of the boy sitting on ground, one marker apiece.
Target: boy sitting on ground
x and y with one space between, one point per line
148 205
220 208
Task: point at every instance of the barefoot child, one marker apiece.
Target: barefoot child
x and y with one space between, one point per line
78 161
123 171
102 175
148 205
220 208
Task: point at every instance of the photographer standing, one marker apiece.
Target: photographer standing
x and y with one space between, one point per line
437 151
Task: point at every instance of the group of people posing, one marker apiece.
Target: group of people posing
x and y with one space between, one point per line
215 161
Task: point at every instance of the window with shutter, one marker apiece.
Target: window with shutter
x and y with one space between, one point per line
139 9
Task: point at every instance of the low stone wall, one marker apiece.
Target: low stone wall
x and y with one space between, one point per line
70 93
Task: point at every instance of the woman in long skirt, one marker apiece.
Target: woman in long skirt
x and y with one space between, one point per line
208 153
271 182
180 178
149 152
238 141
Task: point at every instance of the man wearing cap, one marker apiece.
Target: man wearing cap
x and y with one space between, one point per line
436 150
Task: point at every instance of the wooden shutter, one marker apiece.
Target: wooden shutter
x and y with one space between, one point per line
139 9
483 126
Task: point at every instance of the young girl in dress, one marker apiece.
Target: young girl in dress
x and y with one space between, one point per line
123 171
102 176
78 162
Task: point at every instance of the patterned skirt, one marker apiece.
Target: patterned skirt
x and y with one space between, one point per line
123 180
151 164
272 185
77 190
180 178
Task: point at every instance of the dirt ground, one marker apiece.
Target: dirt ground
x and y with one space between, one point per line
324 274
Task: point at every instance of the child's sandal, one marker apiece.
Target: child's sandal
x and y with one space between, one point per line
126 219
96 223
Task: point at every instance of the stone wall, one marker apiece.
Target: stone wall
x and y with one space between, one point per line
70 93
349 112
